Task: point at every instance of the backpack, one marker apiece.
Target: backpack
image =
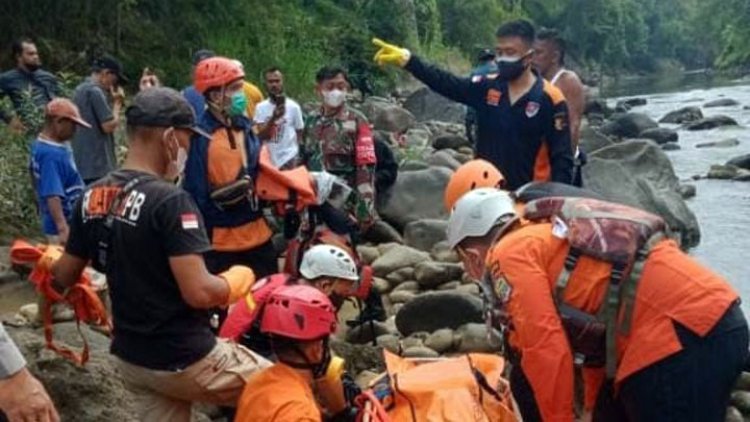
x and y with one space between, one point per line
610 232
459 389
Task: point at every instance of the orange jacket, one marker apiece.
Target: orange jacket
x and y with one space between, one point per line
525 265
277 394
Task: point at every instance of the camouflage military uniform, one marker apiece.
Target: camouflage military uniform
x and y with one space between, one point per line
342 145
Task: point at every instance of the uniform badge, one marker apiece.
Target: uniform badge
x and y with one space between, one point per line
561 121
532 108
493 97
502 288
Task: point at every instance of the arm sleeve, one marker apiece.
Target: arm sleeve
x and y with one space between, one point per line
559 145
178 220
11 359
100 106
299 121
77 244
545 355
50 182
366 161
462 90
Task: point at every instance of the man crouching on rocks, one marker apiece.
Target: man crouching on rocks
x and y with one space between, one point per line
147 235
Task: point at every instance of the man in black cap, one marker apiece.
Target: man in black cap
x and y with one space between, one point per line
99 99
195 98
148 237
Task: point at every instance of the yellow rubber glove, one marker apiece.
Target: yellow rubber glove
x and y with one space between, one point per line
389 54
239 279
52 254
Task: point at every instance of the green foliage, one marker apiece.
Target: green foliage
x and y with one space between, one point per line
18 213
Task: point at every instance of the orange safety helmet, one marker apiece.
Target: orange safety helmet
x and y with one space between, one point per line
472 175
216 72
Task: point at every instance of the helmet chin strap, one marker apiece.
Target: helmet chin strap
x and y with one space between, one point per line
318 369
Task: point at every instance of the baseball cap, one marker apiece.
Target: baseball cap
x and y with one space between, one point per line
162 107
112 64
63 107
201 55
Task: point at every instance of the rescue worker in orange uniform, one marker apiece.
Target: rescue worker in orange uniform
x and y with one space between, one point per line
687 343
299 320
221 172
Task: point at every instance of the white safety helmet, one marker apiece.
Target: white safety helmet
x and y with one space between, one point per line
328 261
477 212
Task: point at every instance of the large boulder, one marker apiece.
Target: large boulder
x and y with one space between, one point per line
416 195
396 258
382 232
432 311
711 122
632 102
443 158
424 234
639 174
474 338
416 137
592 140
426 105
597 106
449 140
430 274
660 135
722 102
387 116
629 125
683 115
742 161
91 393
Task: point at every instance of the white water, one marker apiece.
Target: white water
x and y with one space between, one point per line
722 207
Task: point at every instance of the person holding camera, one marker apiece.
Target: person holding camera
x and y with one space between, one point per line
279 122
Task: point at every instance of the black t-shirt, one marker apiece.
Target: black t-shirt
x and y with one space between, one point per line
153 326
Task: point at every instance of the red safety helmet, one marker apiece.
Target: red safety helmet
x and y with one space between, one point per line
216 72
299 312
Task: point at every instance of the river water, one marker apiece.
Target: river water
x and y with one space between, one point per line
722 207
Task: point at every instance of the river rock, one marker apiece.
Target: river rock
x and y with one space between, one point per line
468 288
733 415
441 340
359 357
396 258
683 115
431 274
687 191
407 286
711 122
401 275
402 296
472 338
368 254
390 342
632 102
442 252
742 161
592 140
420 352
660 135
424 234
29 312
450 141
722 172
741 400
416 195
366 333
382 232
427 105
412 341
722 102
671 147
387 116
413 165
597 106
443 159
432 311
364 378
451 285
381 286
639 174
742 176
726 143
385 247
628 125
91 393
743 382
419 138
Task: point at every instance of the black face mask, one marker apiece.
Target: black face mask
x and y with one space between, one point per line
511 69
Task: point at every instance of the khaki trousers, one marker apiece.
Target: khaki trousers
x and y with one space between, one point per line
217 379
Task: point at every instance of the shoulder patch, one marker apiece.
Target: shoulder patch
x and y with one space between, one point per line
493 97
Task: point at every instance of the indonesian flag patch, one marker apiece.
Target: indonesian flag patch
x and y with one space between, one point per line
189 221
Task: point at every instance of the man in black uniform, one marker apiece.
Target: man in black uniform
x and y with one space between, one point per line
522 120
148 236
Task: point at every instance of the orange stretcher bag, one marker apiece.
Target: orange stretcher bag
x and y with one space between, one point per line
467 388
87 306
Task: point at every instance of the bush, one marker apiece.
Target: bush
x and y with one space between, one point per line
18 213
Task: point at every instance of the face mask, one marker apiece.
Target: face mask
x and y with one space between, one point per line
177 165
334 98
510 68
238 105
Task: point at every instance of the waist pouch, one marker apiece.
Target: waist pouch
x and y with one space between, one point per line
586 335
233 194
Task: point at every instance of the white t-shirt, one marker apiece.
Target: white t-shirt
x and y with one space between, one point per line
283 145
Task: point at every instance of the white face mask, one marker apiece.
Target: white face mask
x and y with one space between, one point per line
334 98
177 165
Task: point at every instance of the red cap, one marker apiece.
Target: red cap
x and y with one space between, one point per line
63 107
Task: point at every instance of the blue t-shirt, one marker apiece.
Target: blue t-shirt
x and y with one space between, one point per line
195 98
55 174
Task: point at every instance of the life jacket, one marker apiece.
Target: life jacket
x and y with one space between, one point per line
292 187
459 389
620 235
81 297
